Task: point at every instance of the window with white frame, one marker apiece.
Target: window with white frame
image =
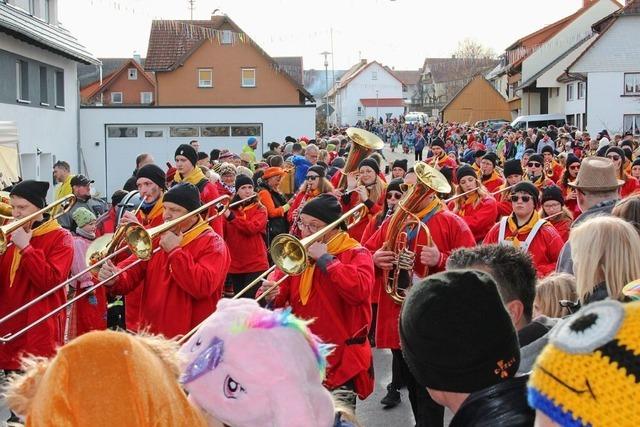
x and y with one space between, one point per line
116 97
579 121
205 77
146 97
248 77
22 80
570 93
632 84
59 82
631 123
227 37
581 90
44 89
133 73
374 75
359 111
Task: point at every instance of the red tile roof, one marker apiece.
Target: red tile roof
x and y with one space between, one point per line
382 102
94 88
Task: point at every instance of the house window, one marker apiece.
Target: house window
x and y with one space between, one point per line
153 134
146 97
227 37
60 89
359 111
551 92
581 90
632 84
579 121
570 119
44 90
183 131
116 97
122 132
584 120
205 77
248 77
214 131
631 123
22 80
374 75
245 130
133 73
570 94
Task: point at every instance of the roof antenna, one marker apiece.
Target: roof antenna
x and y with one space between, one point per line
192 6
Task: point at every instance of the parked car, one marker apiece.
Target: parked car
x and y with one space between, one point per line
493 124
416 117
538 121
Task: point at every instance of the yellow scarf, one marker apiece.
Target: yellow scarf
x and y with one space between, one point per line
195 231
494 176
436 201
194 177
525 229
17 254
155 211
469 201
341 242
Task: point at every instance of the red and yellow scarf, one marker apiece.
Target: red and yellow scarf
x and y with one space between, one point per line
494 177
156 211
525 229
469 201
17 254
199 228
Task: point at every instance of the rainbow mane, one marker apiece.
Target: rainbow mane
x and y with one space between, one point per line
283 318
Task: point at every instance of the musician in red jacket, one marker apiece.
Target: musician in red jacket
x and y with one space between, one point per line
569 193
617 156
525 229
552 207
448 232
186 160
551 164
334 290
478 209
491 179
38 258
440 159
244 231
182 282
535 172
513 174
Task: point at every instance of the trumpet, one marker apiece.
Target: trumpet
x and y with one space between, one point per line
139 242
290 255
66 203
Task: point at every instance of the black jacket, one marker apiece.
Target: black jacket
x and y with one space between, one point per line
504 404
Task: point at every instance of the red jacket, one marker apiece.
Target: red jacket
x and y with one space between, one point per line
504 204
366 235
563 227
45 263
449 232
571 204
339 302
357 230
222 190
106 223
210 192
481 218
244 233
180 288
493 184
629 186
544 249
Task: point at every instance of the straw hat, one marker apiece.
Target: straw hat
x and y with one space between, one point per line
596 174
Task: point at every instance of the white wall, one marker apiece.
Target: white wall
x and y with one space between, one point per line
104 157
363 86
605 106
566 38
530 103
53 132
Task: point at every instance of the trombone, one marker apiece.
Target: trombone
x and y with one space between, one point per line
139 242
66 202
290 255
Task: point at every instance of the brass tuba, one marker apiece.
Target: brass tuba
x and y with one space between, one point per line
430 180
363 143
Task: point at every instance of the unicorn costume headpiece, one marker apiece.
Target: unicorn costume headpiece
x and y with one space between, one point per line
248 366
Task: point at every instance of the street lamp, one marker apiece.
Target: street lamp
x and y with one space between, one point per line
326 81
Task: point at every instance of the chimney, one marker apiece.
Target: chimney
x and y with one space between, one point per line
136 57
587 3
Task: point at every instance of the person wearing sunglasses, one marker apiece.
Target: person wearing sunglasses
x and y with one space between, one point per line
572 166
535 172
525 229
315 183
616 155
478 208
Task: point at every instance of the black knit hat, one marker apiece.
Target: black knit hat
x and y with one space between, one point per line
400 163
479 153
636 162
619 151
529 151
536 158
395 185
338 162
437 142
187 151
241 180
571 159
117 197
552 192
154 173
35 192
185 195
318 170
547 149
371 163
456 334
512 167
465 170
325 207
492 157
529 188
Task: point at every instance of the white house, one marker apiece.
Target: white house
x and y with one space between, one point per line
541 92
611 67
112 137
38 84
367 89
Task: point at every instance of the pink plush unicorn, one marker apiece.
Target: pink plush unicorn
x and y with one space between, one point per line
248 366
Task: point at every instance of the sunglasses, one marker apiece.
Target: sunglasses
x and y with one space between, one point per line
526 199
574 167
394 195
312 177
614 157
534 164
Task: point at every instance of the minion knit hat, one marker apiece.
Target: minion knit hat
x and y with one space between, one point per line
589 373
83 216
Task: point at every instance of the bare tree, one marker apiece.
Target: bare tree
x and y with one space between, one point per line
471 48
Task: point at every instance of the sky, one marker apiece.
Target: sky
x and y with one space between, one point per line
397 33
